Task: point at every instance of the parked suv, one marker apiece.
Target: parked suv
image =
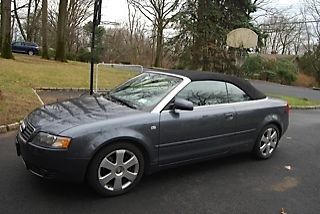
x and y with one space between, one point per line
29 48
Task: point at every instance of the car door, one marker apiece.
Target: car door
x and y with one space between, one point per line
203 132
15 46
249 114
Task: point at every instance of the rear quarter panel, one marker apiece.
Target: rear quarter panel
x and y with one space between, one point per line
252 116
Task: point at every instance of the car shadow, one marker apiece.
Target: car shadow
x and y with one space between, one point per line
163 178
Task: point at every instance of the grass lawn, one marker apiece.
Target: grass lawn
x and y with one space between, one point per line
294 101
19 76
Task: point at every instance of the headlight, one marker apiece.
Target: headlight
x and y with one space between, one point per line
51 141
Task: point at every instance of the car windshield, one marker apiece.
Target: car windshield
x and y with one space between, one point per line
145 91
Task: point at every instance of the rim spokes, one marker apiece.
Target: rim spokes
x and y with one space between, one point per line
273 144
117 183
118 170
120 156
106 179
132 161
107 164
274 136
130 175
264 139
269 132
263 147
268 141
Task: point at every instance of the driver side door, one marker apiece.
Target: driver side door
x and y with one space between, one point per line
202 132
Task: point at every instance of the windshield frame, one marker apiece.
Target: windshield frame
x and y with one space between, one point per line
165 100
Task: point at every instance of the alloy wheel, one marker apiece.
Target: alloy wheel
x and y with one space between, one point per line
268 142
118 170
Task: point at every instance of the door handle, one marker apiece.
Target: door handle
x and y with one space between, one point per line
229 116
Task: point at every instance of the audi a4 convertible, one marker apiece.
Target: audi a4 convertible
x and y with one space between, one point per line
155 120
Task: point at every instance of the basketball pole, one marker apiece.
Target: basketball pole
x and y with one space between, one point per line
96 22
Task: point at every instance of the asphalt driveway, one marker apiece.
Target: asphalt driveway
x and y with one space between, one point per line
286 90
290 180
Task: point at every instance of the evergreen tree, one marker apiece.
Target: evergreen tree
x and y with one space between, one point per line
203 26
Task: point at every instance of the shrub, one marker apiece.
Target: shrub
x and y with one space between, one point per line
286 71
252 66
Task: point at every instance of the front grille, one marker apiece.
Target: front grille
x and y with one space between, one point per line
27 131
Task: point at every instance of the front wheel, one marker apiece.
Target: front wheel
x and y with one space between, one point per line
267 142
116 169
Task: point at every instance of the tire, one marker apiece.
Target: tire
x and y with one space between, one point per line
116 169
30 53
267 142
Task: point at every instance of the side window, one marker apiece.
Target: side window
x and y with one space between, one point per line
236 94
203 93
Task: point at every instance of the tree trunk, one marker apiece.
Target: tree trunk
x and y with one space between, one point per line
159 48
1 24
6 29
35 17
61 32
28 27
45 54
198 52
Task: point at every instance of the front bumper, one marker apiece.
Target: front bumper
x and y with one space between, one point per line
50 163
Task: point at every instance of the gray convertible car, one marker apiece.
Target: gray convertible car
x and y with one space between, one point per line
155 120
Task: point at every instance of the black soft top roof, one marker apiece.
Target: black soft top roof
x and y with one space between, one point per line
202 76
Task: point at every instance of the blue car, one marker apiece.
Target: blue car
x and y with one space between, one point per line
29 48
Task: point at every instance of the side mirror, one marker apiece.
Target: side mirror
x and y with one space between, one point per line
183 104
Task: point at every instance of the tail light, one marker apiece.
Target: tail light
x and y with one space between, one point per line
287 108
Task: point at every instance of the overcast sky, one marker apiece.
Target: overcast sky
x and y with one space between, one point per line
116 10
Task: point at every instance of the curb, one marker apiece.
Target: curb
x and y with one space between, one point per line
305 107
58 89
9 127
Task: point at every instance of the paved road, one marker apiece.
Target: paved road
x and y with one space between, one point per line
230 185
274 88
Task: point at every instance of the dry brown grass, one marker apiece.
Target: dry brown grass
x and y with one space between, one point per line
304 80
19 76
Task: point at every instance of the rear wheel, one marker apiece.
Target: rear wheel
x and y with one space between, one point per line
116 169
267 142
30 53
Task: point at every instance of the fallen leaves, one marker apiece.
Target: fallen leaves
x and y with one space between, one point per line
283 211
288 167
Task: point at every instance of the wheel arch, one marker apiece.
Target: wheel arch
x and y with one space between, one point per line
275 120
130 140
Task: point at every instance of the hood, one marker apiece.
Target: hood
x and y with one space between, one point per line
60 116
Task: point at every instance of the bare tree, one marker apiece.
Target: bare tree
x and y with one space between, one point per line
307 31
33 17
285 34
78 12
6 29
312 9
16 15
160 13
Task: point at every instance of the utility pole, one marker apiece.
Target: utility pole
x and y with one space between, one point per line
95 23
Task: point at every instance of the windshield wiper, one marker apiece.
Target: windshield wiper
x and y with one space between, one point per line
122 102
